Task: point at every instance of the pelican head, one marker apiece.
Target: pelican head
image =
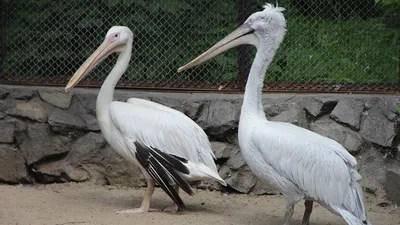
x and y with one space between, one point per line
116 41
267 27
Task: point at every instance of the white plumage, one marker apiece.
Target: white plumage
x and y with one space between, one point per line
167 145
300 163
161 127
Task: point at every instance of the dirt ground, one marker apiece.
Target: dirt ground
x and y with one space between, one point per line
76 204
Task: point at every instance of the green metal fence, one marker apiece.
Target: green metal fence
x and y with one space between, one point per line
341 45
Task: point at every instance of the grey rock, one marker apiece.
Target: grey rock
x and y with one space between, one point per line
84 147
13 168
2 115
19 125
21 94
348 111
60 171
392 185
31 110
3 93
63 121
223 150
379 170
90 122
58 99
242 180
387 106
211 185
40 143
225 172
103 164
376 128
9 103
272 110
398 153
292 113
192 110
219 117
318 106
371 164
236 161
7 132
350 139
85 101
263 188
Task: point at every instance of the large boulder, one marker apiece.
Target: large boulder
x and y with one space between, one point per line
219 117
32 110
386 105
84 103
392 185
63 121
59 99
91 159
350 139
318 106
237 174
38 143
287 112
59 171
379 170
348 111
3 93
242 180
12 165
236 160
262 187
223 150
7 132
376 128
22 94
193 110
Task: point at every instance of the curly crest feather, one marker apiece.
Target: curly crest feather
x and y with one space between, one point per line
271 7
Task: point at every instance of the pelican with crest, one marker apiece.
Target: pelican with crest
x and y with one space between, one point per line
165 144
300 163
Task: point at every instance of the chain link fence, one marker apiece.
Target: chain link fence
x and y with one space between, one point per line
341 45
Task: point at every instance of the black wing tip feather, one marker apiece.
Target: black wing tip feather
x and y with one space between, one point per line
173 160
161 167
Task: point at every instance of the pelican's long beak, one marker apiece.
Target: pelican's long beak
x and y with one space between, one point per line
242 35
102 52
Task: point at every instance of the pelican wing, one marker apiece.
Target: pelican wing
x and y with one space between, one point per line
163 128
319 166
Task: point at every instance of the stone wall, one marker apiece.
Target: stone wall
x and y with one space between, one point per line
49 136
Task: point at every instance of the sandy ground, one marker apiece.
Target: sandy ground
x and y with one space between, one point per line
76 204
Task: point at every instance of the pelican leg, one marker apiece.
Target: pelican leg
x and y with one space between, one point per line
174 208
307 212
289 211
145 206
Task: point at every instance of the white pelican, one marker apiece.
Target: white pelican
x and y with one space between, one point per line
300 163
166 144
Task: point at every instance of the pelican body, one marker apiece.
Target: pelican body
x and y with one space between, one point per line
165 144
300 163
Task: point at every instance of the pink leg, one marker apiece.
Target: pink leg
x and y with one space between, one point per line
145 207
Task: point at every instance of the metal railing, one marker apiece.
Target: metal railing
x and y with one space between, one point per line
331 46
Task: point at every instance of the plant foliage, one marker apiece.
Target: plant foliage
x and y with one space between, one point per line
51 38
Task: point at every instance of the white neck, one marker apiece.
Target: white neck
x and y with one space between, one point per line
106 94
252 102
